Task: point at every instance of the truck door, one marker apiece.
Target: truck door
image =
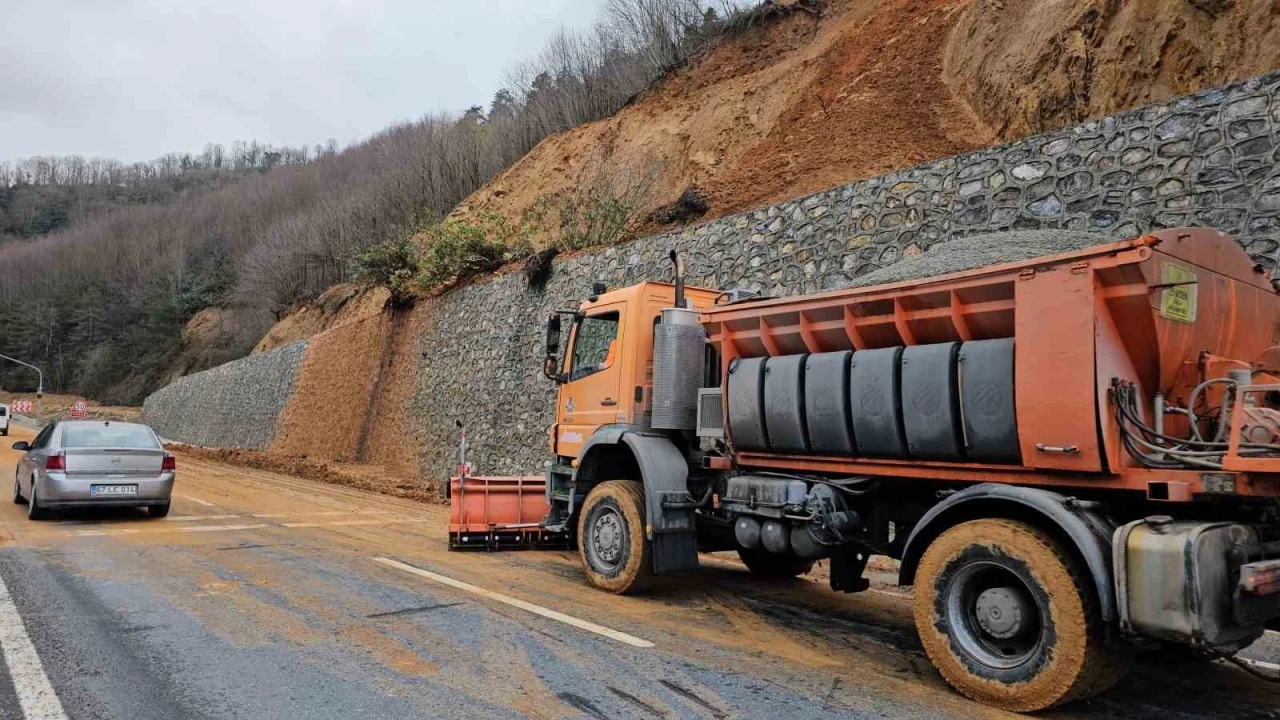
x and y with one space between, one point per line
589 397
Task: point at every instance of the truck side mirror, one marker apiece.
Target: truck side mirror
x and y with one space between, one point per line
553 334
550 362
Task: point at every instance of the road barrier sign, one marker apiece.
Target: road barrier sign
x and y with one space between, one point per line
21 407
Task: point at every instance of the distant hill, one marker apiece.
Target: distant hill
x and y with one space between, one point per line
41 195
103 279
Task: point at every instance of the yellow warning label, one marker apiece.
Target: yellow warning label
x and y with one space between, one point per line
1179 299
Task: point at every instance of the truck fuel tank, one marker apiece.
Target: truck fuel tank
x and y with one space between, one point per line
1179 581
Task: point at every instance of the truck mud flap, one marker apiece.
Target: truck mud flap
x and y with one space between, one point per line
668 504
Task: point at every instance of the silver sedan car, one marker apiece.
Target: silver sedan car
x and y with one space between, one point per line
91 463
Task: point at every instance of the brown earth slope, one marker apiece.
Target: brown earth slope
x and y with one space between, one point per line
808 102
339 305
1030 65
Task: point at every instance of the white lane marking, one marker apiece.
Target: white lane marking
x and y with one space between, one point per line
197 518
254 526
217 528
1261 664
180 528
347 523
514 602
35 693
198 500
324 513
171 518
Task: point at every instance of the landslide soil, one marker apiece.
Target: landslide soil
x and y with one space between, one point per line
790 107
806 102
339 305
328 412
361 476
1027 66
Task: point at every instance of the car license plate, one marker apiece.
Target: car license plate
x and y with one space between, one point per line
115 490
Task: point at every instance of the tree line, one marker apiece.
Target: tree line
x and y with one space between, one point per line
42 194
102 303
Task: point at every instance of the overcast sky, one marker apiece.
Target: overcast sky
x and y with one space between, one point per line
132 80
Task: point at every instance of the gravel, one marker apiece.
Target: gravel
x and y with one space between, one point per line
977 251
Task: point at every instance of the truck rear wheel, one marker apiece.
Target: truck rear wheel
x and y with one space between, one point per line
1009 619
774 565
611 537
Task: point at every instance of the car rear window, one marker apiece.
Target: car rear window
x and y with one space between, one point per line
3 410
112 436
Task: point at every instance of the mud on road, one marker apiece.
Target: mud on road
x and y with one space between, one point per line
262 596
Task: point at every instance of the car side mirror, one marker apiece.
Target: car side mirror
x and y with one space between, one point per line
22 445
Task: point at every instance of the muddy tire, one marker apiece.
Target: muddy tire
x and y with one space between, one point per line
611 538
773 565
159 511
17 491
1009 619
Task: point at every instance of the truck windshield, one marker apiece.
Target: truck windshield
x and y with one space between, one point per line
595 345
112 436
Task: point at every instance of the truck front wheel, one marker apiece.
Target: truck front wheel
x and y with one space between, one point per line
1009 619
611 537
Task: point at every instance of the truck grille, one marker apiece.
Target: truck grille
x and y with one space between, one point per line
710 413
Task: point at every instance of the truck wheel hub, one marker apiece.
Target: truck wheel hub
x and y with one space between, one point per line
606 537
1000 611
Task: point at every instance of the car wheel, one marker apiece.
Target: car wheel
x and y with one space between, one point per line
17 490
159 511
34 511
615 553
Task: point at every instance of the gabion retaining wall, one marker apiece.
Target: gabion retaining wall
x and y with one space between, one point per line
1211 159
235 405
1207 159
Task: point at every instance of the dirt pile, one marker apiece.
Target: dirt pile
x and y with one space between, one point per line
1026 66
807 101
336 306
328 413
372 478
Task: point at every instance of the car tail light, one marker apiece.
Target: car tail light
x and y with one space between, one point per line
169 464
55 462
1261 578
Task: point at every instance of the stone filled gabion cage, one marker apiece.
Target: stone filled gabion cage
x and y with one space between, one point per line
1209 159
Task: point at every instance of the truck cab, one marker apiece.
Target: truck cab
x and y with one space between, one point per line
606 374
606 384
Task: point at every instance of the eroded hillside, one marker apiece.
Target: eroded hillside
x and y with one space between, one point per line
812 100
1027 66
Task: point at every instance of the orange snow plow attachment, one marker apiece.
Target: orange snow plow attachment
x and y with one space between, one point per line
499 512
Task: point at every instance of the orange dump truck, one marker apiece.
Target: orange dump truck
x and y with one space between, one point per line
1071 456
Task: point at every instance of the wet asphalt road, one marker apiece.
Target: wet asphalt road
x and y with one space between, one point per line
261 597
